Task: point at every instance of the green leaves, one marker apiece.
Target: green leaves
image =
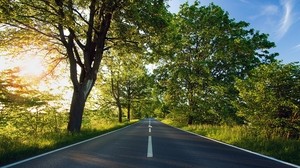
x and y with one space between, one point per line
269 98
125 82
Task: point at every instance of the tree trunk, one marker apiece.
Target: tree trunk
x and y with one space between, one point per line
76 111
128 110
120 111
128 99
190 120
80 95
115 90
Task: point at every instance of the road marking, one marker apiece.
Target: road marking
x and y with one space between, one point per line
242 149
149 151
149 126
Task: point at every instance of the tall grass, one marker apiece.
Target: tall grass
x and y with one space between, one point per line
248 138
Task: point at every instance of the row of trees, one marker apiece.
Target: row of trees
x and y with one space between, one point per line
209 68
125 84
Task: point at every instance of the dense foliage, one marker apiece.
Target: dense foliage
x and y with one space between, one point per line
269 99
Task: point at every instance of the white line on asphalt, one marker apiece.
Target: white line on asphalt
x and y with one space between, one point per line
149 126
242 149
149 151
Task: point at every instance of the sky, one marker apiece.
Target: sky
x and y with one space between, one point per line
278 18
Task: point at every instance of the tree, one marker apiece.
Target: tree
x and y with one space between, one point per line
125 79
205 52
136 89
115 84
269 98
81 31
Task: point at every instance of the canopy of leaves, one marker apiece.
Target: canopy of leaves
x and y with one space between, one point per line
204 53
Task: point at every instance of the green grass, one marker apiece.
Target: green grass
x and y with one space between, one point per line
247 138
17 147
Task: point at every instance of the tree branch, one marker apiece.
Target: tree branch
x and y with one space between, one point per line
78 59
120 39
28 27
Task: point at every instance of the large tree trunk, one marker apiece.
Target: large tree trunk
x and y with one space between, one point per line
80 95
76 111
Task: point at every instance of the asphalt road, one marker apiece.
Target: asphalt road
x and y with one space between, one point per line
157 145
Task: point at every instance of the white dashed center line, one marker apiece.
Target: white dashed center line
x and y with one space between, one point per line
149 151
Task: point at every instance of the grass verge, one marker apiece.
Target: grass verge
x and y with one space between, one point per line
15 148
244 137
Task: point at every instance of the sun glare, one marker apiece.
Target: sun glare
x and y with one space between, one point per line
32 67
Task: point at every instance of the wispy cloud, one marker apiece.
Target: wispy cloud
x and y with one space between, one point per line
297 47
270 10
266 11
286 20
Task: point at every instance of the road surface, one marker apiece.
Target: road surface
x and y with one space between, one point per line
149 143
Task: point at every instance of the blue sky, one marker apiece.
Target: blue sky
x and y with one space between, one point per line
278 18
